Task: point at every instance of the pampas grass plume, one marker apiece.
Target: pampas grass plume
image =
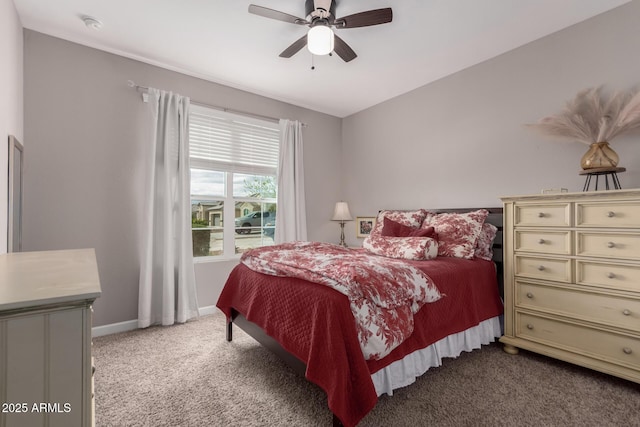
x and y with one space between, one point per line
593 117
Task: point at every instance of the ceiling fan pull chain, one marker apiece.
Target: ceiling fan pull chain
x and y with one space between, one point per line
313 67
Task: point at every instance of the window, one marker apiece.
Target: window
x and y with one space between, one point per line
233 181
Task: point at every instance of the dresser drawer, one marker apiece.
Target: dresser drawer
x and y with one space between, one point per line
612 347
543 215
545 242
610 214
614 276
543 268
608 245
600 308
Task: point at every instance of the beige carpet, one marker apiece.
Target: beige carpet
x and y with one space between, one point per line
188 375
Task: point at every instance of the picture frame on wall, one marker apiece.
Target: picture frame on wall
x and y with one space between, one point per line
364 225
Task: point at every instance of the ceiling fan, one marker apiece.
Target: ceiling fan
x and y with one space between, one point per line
321 18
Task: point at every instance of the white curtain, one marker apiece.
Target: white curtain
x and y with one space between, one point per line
167 291
291 221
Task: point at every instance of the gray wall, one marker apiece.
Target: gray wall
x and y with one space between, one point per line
460 141
11 99
83 179
456 142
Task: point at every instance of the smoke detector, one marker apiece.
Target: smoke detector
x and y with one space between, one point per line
92 23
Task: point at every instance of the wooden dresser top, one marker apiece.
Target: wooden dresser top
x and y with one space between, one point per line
32 279
634 192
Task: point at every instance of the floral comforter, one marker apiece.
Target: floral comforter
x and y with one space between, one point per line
384 293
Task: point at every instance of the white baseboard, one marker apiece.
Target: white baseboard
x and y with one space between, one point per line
211 309
130 325
114 328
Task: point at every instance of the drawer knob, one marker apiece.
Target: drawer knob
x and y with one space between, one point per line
626 312
611 275
541 267
530 326
529 295
627 350
611 245
541 241
611 214
541 214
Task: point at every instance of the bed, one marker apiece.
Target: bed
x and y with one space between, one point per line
311 327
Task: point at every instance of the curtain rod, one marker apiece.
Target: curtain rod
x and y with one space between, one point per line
145 91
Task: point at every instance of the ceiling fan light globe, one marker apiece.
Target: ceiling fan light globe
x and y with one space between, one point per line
320 40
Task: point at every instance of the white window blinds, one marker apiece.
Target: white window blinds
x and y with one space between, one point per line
230 141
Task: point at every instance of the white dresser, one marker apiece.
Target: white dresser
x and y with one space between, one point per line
572 278
45 337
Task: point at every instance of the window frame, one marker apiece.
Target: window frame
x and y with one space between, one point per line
228 199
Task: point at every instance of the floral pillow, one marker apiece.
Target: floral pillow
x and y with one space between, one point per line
392 228
484 244
408 218
457 233
415 248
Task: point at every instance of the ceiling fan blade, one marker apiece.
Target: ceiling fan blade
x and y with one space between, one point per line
295 47
365 19
275 14
343 50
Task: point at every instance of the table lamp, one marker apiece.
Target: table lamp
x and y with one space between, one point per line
341 213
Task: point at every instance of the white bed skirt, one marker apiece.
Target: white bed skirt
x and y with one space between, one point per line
403 372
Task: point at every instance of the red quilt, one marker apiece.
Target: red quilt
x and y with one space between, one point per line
315 323
384 293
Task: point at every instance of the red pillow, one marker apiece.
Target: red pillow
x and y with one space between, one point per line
395 229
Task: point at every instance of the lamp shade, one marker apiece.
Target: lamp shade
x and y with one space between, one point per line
320 40
341 212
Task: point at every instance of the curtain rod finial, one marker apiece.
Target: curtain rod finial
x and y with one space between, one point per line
130 83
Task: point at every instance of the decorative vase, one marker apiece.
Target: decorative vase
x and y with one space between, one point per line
599 155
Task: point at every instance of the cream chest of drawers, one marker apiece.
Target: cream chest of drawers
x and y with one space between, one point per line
572 278
45 337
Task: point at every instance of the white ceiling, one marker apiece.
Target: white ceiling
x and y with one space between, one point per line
220 41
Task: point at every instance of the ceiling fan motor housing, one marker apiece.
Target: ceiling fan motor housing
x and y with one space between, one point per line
323 9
